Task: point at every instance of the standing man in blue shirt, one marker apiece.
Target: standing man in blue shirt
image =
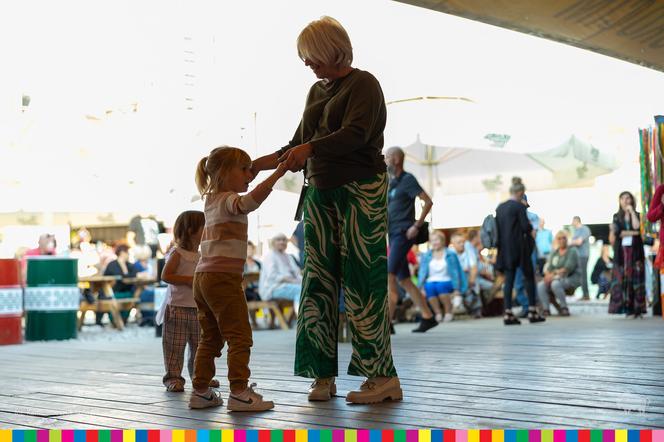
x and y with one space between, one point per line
402 231
544 243
581 240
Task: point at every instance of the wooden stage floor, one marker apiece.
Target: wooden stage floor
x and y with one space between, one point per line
578 372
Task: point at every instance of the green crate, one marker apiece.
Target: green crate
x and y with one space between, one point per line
52 270
50 326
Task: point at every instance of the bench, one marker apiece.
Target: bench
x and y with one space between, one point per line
101 306
275 308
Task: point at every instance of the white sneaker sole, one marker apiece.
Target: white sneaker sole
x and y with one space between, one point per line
199 404
235 405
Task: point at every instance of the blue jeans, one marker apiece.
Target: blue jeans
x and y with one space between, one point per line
521 297
290 292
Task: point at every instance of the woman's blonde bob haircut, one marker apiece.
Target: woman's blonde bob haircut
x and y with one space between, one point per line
325 42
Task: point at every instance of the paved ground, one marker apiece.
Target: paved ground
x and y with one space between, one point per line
594 371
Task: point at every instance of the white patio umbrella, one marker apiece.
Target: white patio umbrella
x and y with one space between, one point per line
573 163
464 147
445 121
467 170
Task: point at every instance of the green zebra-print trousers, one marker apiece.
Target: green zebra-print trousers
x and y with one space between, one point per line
345 246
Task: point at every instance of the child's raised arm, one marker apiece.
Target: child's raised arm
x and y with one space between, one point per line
251 201
261 192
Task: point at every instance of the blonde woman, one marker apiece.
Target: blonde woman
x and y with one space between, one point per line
338 143
280 276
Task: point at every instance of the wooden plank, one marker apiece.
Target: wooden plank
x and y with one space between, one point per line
466 374
18 420
419 389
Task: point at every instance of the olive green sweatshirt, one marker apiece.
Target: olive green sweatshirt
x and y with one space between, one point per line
344 122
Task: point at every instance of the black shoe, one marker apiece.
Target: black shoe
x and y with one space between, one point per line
534 317
426 324
392 331
510 319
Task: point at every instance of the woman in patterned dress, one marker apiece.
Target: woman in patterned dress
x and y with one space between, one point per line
628 290
339 144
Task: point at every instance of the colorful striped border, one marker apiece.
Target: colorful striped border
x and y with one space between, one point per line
413 435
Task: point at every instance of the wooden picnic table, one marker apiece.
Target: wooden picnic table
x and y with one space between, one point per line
108 305
274 307
139 284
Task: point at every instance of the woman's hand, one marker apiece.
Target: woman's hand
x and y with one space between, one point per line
296 157
282 168
412 232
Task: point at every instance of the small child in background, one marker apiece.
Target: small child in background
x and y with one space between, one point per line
181 325
222 307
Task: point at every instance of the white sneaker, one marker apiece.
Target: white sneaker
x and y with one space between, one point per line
439 317
248 400
375 390
322 389
210 399
449 317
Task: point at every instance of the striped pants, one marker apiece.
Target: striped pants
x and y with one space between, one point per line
345 246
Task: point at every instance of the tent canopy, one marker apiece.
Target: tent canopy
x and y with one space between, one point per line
631 30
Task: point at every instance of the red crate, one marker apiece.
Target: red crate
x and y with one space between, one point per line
10 272
11 329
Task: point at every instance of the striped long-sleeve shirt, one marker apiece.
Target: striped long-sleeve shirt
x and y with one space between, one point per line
224 242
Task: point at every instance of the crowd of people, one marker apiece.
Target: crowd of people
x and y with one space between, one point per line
520 257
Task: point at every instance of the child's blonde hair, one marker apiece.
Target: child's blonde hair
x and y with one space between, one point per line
213 168
186 224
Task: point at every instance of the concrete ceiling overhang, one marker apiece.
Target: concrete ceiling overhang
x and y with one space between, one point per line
631 30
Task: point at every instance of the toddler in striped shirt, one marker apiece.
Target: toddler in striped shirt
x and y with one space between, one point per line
222 308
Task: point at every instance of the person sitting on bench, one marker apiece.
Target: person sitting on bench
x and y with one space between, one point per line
561 274
280 277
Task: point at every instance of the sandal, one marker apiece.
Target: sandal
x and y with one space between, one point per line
564 311
510 319
214 383
175 387
534 317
